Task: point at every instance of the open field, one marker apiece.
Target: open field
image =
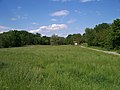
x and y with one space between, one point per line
58 68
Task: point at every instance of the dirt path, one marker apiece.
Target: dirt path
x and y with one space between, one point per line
108 52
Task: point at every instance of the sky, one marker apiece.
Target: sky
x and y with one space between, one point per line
61 17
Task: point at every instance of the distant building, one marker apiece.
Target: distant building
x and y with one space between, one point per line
75 43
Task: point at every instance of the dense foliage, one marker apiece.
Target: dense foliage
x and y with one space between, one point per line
71 39
102 35
19 38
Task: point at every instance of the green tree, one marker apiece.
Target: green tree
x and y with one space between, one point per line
101 32
90 36
54 40
45 40
71 38
15 38
83 38
37 38
5 41
114 35
61 41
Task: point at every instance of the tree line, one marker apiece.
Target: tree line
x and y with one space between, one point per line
104 35
16 38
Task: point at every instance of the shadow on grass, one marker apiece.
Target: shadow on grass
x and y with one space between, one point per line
3 65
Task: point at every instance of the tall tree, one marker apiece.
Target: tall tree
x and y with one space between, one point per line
90 36
54 40
101 32
71 38
114 36
45 40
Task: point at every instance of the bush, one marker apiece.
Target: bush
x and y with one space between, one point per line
118 51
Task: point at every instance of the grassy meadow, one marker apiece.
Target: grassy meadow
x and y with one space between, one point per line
58 68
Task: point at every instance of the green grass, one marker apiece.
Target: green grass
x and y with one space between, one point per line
58 68
95 47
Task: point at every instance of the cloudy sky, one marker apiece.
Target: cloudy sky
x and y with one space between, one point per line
61 17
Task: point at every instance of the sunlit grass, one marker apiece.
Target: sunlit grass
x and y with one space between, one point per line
58 68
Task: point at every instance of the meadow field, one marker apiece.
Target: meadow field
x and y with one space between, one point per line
58 68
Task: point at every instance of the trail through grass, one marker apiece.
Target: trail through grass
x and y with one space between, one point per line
104 51
58 68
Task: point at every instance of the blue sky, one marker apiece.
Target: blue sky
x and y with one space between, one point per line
61 17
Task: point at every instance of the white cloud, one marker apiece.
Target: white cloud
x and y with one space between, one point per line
19 18
53 20
19 7
77 11
63 34
61 13
84 1
19 29
52 27
35 23
71 21
4 28
22 17
62 0
13 19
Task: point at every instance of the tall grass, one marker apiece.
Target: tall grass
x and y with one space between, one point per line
58 68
